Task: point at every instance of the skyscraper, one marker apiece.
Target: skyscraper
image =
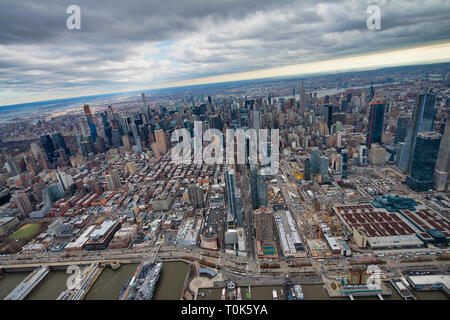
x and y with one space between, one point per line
24 205
113 181
422 120
307 174
443 161
323 168
402 127
91 123
375 125
254 186
344 154
59 143
315 161
329 116
424 161
231 190
49 148
262 191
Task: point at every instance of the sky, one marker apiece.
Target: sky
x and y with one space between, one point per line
143 44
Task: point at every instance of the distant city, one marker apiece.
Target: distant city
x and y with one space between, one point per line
358 208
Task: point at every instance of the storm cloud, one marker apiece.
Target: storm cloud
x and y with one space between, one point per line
123 45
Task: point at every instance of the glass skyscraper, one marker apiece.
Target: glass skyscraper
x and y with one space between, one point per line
422 120
423 163
375 126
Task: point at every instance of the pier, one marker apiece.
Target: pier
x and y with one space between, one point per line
27 285
402 290
87 279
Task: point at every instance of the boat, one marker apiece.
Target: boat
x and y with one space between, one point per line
224 293
248 293
293 294
238 294
142 285
298 292
274 294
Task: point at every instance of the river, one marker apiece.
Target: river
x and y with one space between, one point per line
110 283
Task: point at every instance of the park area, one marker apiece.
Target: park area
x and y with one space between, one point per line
26 231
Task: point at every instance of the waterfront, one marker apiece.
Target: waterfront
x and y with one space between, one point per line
9 281
170 285
51 287
110 282
171 281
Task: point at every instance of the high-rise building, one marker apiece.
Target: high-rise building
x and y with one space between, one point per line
161 143
59 143
91 123
422 120
262 191
65 180
329 116
402 127
363 154
441 175
307 174
375 125
344 154
13 167
254 186
231 190
31 164
137 138
424 161
323 168
113 181
24 205
315 161
49 148
195 194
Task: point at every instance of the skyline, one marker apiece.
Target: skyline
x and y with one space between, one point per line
122 49
287 71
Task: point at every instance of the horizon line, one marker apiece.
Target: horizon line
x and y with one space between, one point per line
364 62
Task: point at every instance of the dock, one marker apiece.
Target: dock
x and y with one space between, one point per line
28 284
88 277
402 290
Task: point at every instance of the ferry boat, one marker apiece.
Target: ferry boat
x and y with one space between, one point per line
298 292
274 294
224 294
238 294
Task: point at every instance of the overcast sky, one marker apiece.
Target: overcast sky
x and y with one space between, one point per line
137 44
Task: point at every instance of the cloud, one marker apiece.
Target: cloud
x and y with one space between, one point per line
136 43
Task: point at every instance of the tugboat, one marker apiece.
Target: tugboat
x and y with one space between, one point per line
274 294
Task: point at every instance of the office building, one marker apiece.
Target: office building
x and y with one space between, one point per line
315 161
24 205
49 148
375 123
113 181
344 154
441 176
91 123
422 120
402 128
423 164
